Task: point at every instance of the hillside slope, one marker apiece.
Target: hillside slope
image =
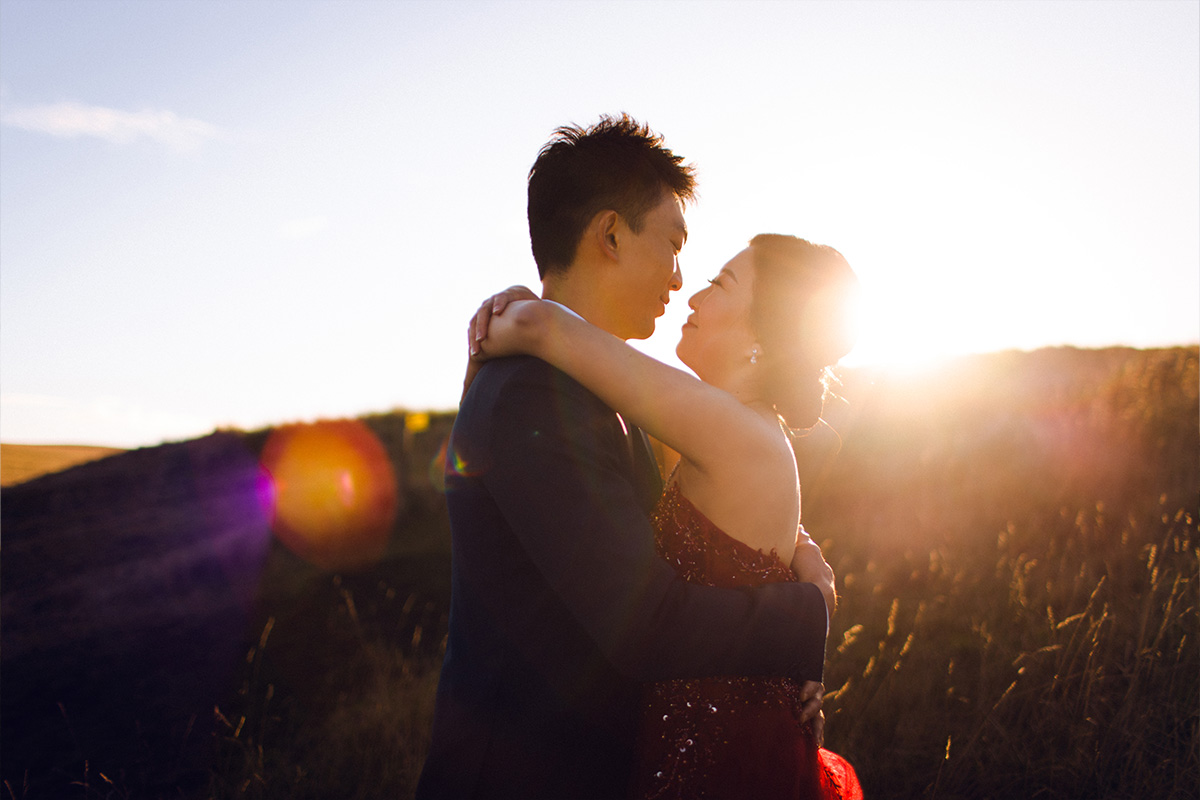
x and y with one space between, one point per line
23 462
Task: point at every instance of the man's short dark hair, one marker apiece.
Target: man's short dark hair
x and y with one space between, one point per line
618 164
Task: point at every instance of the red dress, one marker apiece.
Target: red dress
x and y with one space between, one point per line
730 737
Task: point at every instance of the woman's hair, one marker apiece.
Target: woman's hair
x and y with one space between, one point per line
801 313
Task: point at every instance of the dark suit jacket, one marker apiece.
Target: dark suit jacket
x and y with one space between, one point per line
560 607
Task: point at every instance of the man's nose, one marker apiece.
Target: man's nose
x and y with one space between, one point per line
676 278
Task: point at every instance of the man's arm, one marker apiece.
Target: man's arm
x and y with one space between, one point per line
560 482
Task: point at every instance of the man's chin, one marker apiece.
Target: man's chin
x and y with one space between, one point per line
643 331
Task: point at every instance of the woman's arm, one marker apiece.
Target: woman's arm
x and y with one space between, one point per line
704 423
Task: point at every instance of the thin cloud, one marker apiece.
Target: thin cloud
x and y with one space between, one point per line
73 120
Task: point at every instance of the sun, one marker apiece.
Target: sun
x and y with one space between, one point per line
918 328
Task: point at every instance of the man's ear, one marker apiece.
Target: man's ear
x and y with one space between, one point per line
604 232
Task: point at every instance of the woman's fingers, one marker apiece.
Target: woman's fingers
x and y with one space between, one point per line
494 306
480 321
501 300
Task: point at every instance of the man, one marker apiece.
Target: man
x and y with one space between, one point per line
560 608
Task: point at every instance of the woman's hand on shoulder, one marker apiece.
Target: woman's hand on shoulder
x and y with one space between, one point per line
521 330
477 329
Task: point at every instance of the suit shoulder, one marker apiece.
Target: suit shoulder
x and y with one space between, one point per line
527 377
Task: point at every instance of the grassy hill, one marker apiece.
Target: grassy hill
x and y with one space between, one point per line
23 462
1015 537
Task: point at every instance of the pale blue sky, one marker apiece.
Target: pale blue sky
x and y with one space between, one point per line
245 213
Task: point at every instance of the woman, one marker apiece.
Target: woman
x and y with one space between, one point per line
760 338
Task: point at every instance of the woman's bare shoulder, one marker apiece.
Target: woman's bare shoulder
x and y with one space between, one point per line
752 493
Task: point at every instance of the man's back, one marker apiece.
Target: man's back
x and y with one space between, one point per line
528 704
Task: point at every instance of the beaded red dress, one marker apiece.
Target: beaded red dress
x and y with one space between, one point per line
729 737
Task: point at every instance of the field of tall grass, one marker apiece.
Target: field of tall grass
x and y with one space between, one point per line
1020 597
1015 539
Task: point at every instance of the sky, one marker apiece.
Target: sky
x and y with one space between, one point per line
239 214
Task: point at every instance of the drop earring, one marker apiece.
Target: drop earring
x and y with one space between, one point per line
754 356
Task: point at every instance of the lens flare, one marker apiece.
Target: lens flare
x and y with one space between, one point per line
334 492
437 468
455 464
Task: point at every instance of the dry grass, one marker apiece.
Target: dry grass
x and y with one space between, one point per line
1020 567
24 462
1019 562
1020 571
356 727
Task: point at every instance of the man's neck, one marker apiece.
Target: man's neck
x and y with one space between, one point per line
578 296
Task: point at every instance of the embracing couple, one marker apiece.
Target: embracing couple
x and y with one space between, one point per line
610 638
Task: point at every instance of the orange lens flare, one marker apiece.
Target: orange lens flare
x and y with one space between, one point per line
335 494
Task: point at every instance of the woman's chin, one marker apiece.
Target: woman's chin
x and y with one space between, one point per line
682 354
